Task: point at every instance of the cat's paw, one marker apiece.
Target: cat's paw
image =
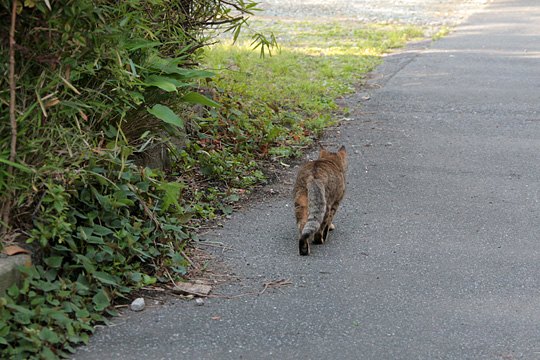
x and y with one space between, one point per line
303 246
331 227
318 239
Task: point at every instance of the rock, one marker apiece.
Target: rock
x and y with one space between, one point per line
138 304
193 289
199 302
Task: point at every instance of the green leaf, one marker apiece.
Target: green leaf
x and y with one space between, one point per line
171 66
172 192
17 166
136 277
13 291
105 278
49 336
54 261
193 73
162 82
101 300
60 318
47 354
102 230
165 113
196 98
86 263
95 240
136 44
83 313
165 79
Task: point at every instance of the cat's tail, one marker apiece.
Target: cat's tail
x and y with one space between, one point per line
316 211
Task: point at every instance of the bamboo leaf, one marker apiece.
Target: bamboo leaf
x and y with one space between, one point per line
165 83
196 98
165 113
16 165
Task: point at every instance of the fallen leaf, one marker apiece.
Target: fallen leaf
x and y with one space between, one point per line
216 317
14 250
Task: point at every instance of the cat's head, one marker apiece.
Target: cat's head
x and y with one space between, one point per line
339 157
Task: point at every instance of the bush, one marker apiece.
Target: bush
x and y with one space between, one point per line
95 84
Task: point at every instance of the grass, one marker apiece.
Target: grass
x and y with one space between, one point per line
316 63
442 32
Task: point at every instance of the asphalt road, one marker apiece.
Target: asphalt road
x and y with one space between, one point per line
436 254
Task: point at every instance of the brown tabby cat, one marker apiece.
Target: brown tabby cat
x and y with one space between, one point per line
319 188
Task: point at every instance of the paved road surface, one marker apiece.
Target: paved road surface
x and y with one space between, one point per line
436 254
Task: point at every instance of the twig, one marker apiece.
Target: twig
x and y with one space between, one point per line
5 211
266 285
229 297
275 284
170 277
188 259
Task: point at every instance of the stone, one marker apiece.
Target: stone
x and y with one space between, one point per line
193 289
138 304
9 273
199 302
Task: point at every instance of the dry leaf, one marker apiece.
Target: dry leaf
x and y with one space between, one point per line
14 250
52 103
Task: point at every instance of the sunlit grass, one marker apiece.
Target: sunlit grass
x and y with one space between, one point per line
316 63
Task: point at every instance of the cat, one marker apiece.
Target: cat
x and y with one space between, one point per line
319 188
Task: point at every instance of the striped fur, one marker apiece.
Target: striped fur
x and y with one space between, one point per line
319 188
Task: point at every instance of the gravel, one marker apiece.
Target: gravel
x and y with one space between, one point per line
419 12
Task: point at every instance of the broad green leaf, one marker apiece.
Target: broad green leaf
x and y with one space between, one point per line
165 113
54 261
102 230
95 240
162 82
194 74
82 313
105 278
47 354
49 336
172 192
196 98
60 317
101 301
170 66
166 79
86 263
48 286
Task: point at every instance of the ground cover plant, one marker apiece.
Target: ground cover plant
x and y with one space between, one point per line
94 92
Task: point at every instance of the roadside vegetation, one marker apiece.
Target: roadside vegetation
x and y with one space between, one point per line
288 98
122 130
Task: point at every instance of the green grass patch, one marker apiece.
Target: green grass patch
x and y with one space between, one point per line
316 63
442 32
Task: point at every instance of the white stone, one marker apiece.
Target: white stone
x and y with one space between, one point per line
137 304
199 302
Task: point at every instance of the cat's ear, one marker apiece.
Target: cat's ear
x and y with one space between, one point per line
342 151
